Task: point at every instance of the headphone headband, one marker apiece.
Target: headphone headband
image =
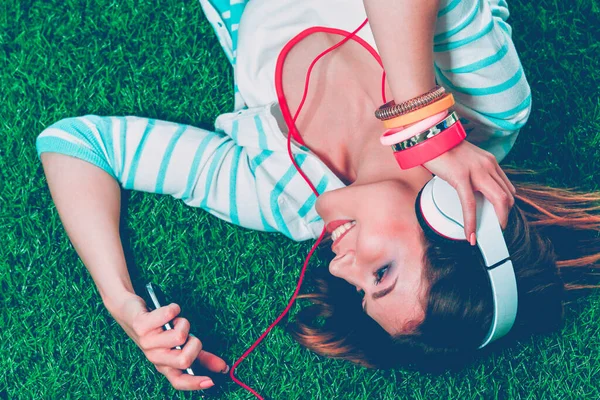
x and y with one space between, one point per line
440 208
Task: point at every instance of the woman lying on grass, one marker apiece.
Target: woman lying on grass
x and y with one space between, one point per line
404 298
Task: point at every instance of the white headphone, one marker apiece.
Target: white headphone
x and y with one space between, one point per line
439 206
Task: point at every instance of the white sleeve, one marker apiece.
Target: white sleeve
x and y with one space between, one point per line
476 60
204 168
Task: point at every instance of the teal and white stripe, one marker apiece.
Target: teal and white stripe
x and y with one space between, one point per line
476 60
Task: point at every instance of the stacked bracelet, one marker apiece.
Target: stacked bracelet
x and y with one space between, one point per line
422 128
390 109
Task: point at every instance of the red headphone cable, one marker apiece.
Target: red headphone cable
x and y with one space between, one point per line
312 187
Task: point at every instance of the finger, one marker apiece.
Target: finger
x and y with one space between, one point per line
182 326
502 174
468 204
499 199
175 358
147 322
167 339
182 381
500 182
212 362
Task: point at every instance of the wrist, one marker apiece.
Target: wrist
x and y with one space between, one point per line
115 302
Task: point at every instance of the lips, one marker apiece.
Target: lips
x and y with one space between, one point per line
333 225
341 237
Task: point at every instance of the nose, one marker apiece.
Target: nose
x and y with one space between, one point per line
342 266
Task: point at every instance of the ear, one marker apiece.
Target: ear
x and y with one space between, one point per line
411 327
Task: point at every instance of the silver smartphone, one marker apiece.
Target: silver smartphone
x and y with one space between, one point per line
155 298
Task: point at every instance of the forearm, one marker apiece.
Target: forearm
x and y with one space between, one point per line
88 202
403 31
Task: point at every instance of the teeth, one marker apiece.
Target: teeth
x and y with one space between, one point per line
339 231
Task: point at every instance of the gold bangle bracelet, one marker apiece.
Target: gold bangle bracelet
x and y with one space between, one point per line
437 106
390 110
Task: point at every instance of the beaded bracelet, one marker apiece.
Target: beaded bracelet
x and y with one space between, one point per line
443 103
398 135
431 148
390 109
427 134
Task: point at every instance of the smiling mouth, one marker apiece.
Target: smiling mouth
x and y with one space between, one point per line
341 231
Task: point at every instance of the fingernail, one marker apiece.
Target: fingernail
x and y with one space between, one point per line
225 370
207 384
472 239
191 334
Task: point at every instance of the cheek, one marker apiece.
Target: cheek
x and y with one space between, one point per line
386 224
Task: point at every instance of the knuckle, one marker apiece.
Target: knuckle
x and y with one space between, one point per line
490 157
489 161
180 337
184 361
185 325
196 342
192 341
172 312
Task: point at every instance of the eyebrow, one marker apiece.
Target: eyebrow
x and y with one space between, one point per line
381 293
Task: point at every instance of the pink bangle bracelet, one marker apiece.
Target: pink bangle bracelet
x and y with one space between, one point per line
397 135
431 148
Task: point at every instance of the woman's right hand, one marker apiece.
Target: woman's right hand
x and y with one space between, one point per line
145 328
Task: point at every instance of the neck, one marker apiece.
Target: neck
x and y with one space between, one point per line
352 150
373 162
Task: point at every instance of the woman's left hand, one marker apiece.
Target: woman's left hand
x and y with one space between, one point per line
467 168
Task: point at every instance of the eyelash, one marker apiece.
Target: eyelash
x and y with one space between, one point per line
380 274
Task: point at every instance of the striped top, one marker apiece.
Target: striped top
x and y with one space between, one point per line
240 171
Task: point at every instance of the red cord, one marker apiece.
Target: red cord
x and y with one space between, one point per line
266 332
312 187
383 87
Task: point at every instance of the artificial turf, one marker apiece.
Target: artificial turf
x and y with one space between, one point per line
160 59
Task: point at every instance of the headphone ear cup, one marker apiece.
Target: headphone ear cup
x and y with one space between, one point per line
429 232
450 246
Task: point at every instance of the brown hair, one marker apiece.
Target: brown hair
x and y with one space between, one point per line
552 236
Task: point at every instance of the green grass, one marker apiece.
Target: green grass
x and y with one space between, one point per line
160 59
